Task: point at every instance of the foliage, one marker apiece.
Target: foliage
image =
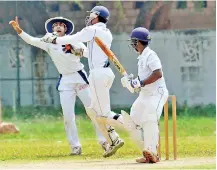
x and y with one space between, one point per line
121 14
199 5
26 11
199 110
30 112
181 4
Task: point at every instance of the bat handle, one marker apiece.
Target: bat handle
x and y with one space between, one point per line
125 73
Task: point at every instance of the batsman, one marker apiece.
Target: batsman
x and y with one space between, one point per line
147 109
101 75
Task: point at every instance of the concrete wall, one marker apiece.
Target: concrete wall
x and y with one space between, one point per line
29 85
189 65
188 59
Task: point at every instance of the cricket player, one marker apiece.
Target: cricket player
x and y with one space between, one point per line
101 76
147 109
72 81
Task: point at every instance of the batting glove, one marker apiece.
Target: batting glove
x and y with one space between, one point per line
135 83
126 80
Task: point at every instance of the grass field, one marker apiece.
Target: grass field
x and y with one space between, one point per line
42 142
41 139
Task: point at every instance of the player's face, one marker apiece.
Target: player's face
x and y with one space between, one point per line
137 45
60 28
92 19
134 44
140 47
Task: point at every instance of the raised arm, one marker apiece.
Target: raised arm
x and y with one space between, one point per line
36 42
26 37
85 35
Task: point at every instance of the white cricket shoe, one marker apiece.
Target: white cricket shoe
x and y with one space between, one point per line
105 146
150 156
76 150
113 148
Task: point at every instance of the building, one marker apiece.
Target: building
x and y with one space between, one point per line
153 15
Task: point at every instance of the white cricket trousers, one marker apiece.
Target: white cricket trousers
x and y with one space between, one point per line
146 112
68 91
101 80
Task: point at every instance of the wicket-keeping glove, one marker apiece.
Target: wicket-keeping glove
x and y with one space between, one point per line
50 37
68 48
15 25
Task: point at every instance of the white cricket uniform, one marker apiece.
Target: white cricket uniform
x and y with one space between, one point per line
101 76
147 108
72 83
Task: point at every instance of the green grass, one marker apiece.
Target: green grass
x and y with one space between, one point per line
44 138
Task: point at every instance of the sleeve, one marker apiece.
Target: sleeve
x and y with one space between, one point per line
154 62
33 41
85 35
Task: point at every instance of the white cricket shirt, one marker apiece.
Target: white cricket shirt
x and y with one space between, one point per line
149 62
96 57
66 63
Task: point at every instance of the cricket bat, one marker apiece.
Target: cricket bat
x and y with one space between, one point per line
111 56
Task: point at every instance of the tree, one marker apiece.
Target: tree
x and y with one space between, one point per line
31 13
154 15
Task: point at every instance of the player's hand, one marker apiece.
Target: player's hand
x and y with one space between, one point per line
135 83
78 52
15 25
68 48
126 79
126 82
50 38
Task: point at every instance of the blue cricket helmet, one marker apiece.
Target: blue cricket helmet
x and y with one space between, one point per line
101 11
69 24
141 34
95 12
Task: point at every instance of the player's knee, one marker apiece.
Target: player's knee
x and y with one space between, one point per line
69 118
135 108
152 117
69 122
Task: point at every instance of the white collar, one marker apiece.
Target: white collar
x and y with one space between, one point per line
143 52
100 24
